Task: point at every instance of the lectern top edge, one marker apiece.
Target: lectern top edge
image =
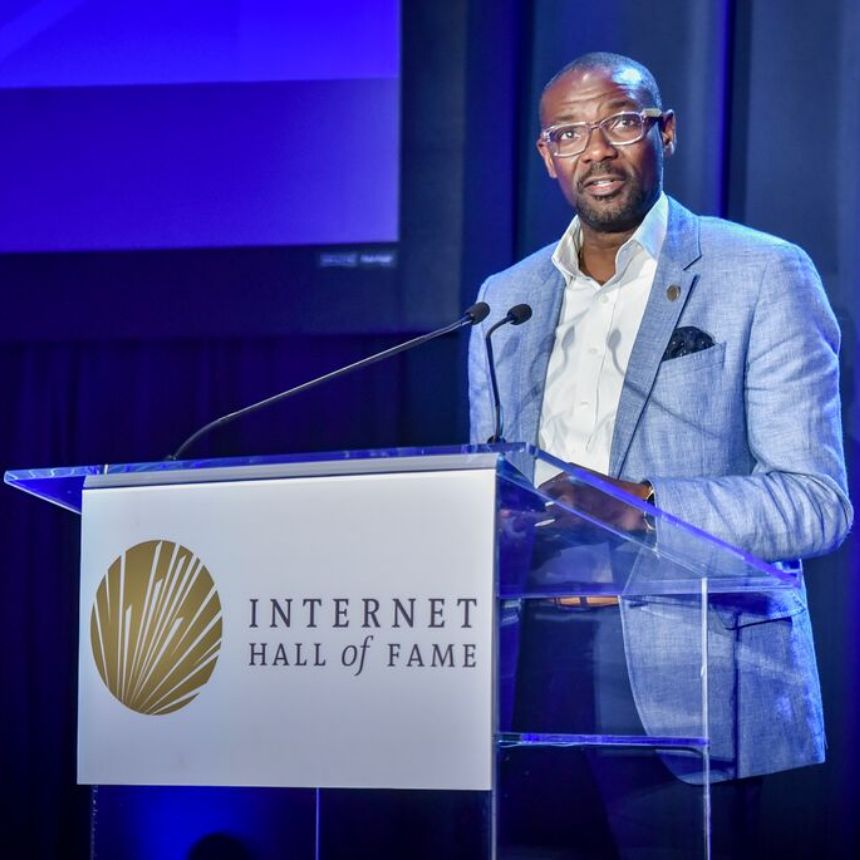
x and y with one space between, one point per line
63 485
684 550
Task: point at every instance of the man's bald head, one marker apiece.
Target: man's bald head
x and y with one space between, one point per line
623 69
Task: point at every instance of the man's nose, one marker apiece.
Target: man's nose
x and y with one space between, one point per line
598 147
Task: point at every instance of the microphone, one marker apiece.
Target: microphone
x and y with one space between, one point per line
517 315
471 316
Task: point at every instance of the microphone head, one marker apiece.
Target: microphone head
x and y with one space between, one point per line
519 314
478 313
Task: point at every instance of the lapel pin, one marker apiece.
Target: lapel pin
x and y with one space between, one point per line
672 292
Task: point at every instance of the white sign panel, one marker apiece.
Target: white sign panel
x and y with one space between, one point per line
330 632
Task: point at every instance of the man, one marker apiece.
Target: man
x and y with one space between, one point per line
694 362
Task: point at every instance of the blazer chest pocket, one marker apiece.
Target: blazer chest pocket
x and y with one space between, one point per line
692 366
688 389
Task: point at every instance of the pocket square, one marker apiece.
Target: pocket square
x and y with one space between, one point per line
685 341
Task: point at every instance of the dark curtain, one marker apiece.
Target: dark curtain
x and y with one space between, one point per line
768 98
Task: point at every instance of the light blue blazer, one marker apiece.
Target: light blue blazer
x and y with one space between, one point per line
742 439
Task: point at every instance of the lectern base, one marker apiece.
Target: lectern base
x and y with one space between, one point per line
171 823
553 803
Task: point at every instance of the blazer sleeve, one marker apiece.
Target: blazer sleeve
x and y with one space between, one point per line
481 417
795 502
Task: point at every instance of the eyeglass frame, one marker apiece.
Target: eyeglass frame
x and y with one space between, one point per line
653 113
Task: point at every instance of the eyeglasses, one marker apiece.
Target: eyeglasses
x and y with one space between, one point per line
621 129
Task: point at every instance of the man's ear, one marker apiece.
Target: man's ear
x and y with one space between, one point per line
668 132
545 154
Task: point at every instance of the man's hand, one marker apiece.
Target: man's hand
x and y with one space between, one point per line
595 503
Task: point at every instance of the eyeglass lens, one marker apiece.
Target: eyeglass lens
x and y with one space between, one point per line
623 128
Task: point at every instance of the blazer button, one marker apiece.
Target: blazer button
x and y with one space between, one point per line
672 292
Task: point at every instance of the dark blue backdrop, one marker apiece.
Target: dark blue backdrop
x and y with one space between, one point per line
768 97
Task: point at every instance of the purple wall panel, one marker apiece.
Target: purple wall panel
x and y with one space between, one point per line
198 123
63 43
293 163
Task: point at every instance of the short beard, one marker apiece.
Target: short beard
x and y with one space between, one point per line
618 221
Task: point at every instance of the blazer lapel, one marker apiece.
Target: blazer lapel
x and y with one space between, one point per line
669 293
536 342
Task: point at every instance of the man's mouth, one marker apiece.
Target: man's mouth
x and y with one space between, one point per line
602 186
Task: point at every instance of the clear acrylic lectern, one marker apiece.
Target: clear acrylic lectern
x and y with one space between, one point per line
596 601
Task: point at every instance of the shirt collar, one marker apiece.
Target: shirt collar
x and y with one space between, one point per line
649 237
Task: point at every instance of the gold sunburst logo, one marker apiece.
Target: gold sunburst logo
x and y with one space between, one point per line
155 627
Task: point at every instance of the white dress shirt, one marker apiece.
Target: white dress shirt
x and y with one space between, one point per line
593 340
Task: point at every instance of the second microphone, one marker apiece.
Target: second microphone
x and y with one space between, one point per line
516 315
